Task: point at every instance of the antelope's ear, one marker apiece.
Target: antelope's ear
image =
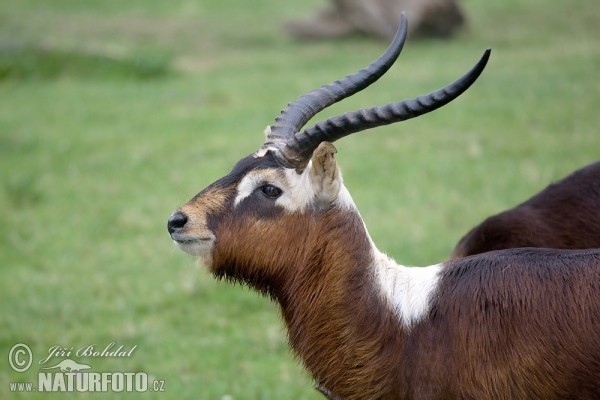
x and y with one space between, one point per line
324 175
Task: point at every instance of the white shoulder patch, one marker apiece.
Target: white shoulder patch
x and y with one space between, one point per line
407 290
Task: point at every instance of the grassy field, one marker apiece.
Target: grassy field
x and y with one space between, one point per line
114 113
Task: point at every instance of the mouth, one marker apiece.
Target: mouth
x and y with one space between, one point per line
182 239
194 245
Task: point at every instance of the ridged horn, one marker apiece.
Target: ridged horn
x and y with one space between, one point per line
293 148
304 143
298 113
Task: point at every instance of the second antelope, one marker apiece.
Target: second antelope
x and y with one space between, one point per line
565 215
518 324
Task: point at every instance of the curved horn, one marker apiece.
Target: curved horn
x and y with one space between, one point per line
304 143
298 113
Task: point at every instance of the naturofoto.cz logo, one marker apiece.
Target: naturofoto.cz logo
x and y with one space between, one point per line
69 375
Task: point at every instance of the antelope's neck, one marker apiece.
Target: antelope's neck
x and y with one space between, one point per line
351 306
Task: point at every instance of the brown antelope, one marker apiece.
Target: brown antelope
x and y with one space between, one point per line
565 215
516 324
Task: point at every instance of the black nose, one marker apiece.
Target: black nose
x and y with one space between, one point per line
176 222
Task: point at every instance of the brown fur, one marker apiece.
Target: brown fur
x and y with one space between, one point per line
213 202
517 324
315 269
565 215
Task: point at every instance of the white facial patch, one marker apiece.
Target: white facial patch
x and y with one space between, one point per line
407 290
298 192
248 184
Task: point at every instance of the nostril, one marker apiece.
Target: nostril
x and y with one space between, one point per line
176 222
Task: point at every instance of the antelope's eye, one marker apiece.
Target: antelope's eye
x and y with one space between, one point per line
270 191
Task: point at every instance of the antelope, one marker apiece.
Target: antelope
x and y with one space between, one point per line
518 324
565 215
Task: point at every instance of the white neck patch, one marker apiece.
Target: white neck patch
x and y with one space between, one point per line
407 290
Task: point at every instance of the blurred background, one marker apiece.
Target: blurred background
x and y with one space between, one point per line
114 113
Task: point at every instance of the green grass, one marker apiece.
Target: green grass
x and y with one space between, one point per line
39 63
94 159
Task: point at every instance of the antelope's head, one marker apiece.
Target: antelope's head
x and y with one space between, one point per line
266 212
